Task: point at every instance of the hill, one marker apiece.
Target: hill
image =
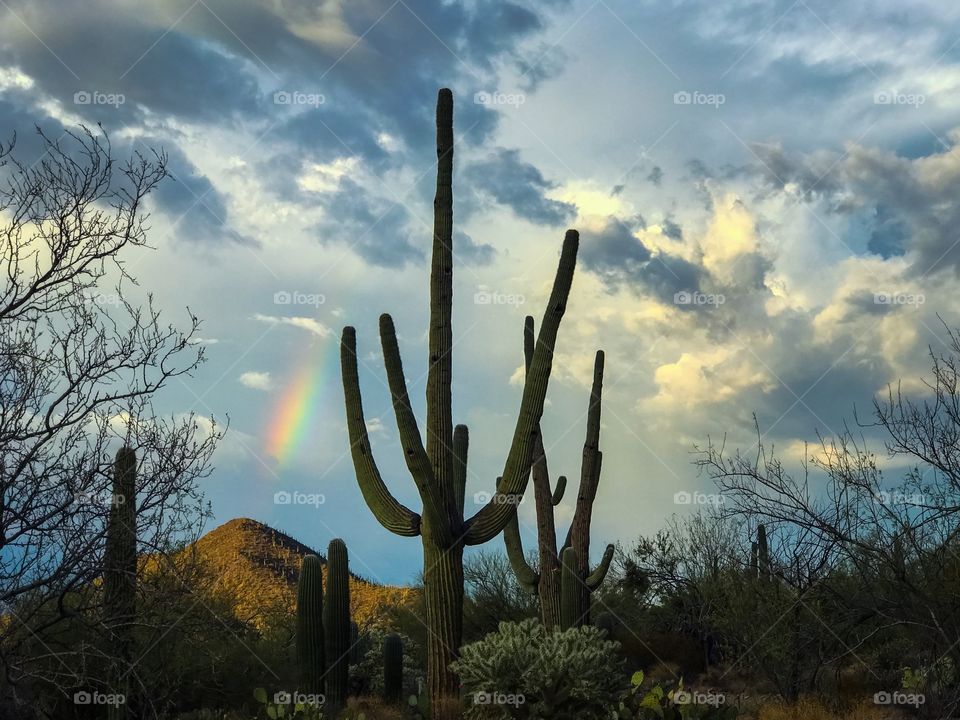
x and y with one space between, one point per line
259 567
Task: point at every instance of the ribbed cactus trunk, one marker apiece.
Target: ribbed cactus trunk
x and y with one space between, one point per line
570 611
392 669
310 640
439 465
120 576
336 625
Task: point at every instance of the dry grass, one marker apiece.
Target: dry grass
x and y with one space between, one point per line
372 709
810 709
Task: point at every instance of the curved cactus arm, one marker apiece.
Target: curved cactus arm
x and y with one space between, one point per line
492 518
413 451
595 579
461 443
557 496
528 578
393 515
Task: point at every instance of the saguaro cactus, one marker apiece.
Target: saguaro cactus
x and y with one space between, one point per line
439 468
336 623
763 551
310 639
120 573
392 669
545 580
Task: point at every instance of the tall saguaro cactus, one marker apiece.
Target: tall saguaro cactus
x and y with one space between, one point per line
336 623
545 581
310 639
120 573
439 467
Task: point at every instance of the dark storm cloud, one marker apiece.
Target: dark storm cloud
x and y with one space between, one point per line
190 199
222 62
908 205
377 229
518 185
618 258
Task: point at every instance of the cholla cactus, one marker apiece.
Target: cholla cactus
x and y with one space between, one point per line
545 580
439 466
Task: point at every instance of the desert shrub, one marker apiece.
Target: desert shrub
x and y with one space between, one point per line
523 671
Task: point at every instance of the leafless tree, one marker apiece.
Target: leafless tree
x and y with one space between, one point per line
80 366
897 539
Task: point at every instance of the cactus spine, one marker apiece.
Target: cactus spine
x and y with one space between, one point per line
545 581
438 467
310 637
120 573
336 623
392 669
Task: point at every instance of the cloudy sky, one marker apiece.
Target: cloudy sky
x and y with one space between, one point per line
765 190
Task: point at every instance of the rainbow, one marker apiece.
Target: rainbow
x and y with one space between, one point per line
293 417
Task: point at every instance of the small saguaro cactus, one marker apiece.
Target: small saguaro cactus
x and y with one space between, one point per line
392 669
310 640
545 580
120 573
763 552
336 623
439 465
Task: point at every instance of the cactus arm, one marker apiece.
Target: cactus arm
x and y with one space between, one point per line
440 367
413 451
557 497
528 578
595 579
461 444
393 515
492 518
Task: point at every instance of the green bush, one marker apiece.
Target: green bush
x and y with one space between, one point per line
523 671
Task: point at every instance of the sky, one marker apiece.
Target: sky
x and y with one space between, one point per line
765 192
